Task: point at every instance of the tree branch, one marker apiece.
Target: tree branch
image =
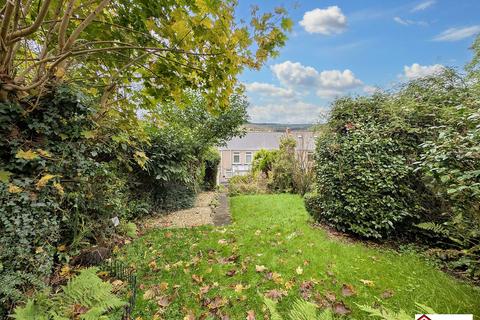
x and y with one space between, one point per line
84 24
64 24
6 20
31 29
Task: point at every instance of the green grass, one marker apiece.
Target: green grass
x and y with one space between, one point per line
273 230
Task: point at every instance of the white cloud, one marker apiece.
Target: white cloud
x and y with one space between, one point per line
295 74
455 34
269 90
327 84
416 71
325 21
407 22
295 112
423 5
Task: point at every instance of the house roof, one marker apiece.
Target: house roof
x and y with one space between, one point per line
269 140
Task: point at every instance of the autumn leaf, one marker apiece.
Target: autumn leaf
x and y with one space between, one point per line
163 301
330 296
387 294
299 270
250 315
44 180
149 294
14 189
275 294
340 308
163 286
231 272
222 242
368 283
197 279
289 284
260 268
348 290
277 278
239 288
59 188
26 155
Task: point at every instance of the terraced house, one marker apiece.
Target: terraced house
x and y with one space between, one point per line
236 156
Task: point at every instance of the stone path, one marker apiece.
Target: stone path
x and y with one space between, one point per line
210 208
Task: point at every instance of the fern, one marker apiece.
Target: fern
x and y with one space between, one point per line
301 310
272 308
388 314
434 227
86 290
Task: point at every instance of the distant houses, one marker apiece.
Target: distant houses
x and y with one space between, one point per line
237 156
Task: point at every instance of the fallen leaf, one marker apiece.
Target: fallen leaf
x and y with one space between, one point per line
163 301
197 279
299 270
250 315
26 155
340 308
168 234
231 272
348 290
153 265
368 283
257 233
306 289
289 284
239 288
330 296
222 242
163 286
216 303
261 268
149 294
277 278
387 294
275 294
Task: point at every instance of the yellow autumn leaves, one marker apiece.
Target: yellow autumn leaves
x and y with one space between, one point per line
43 181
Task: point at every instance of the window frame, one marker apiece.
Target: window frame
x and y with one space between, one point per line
248 153
236 153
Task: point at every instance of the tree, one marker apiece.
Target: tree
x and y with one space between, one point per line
108 45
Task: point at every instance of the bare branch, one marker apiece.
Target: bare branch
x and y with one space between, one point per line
31 29
6 20
64 24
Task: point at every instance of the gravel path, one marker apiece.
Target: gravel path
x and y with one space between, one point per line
201 214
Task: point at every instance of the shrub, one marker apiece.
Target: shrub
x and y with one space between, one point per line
367 155
283 166
253 183
263 161
85 296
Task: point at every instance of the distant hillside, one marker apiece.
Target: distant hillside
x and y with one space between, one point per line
278 127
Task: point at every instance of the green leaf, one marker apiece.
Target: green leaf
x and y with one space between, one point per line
5 176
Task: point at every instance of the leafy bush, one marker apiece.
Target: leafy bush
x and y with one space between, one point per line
85 296
263 161
253 183
283 166
366 176
211 160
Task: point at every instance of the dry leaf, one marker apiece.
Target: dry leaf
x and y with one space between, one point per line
163 286
222 242
275 294
368 283
289 284
387 294
149 294
260 268
231 272
44 180
250 315
340 308
163 301
348 290
197 279
299 270
330 296
277 278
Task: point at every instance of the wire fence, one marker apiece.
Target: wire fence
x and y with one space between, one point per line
121 271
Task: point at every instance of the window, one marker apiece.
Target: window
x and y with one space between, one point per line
236 157
248 157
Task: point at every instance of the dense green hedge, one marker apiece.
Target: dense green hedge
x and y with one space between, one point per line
368 177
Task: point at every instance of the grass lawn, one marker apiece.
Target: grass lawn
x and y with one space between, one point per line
208 270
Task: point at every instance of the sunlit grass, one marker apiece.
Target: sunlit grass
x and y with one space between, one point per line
273 231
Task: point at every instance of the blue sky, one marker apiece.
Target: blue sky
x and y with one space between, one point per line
350 47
